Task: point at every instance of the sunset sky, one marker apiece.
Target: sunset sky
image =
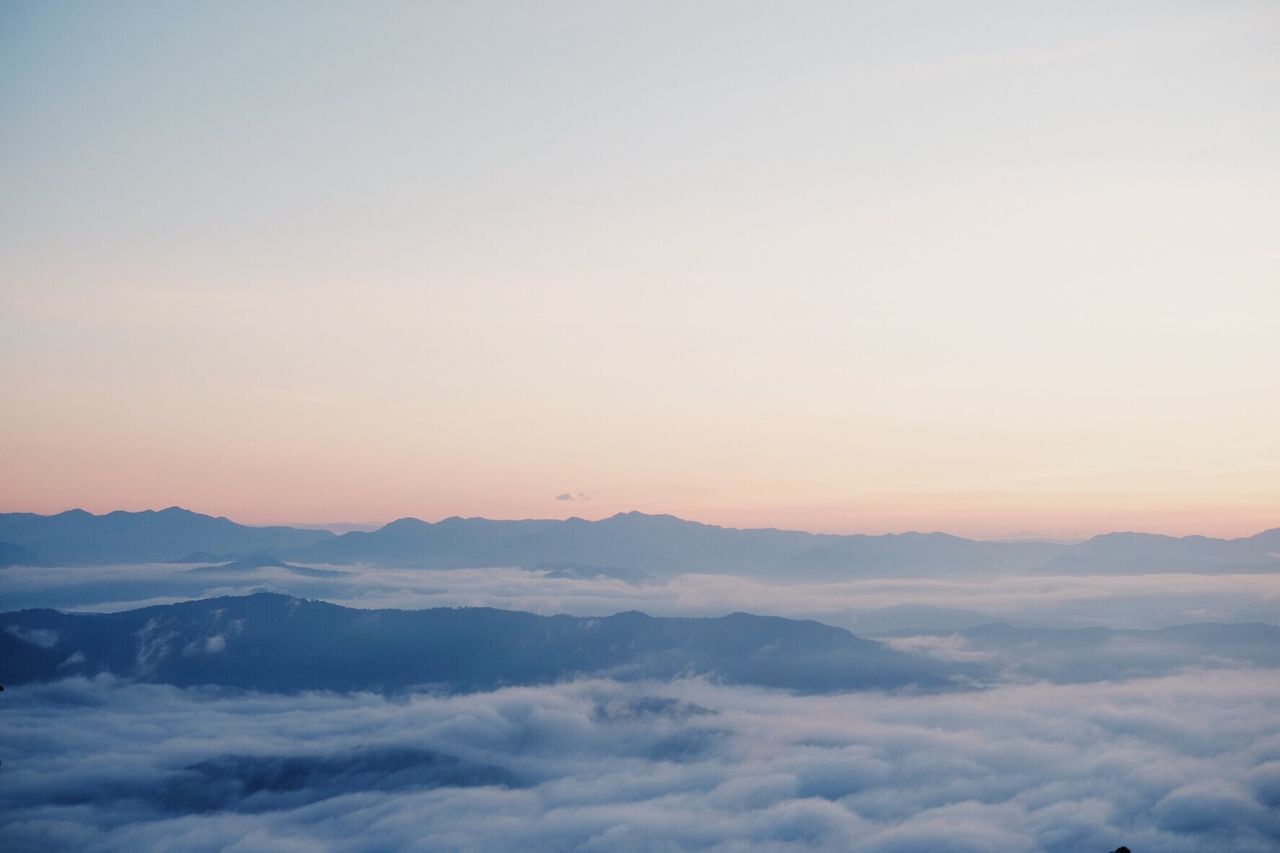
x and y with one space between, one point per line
998 269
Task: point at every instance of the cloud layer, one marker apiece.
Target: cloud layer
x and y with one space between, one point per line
1183 763
1134 601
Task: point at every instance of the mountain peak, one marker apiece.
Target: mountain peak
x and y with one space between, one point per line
404 523
637 515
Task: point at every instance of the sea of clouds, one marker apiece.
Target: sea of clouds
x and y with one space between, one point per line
1189 762
1136 740
1128 601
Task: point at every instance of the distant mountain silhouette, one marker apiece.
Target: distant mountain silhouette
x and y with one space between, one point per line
249 564
664 544
904 554
451 543
273 642
258 561
1124 553
633 542
204 557
1093 654
899 619
77 537
628 546
16 555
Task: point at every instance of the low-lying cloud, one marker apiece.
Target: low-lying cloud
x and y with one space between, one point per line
1181 763
1134 601
39 637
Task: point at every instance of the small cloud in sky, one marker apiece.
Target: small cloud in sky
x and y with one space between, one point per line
570 496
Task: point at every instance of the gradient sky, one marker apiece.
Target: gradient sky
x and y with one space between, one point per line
991 268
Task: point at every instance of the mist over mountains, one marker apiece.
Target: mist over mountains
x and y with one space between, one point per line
274 642
626 545
268 641
943 713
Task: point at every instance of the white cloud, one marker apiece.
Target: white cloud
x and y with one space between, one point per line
1182 763
40 637
1138 601
950 647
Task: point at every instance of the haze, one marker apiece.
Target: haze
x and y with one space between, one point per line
999 269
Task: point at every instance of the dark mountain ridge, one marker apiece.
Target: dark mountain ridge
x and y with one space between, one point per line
274 642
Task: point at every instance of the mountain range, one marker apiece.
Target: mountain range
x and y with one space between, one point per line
76 537
627 545
275 642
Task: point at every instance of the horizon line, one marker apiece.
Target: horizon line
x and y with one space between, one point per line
369 527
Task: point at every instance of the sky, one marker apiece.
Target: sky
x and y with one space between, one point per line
999 269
